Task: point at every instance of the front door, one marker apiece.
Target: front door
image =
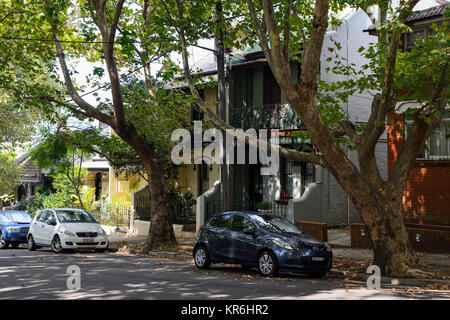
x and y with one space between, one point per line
38 227
244 246
49 229
219 237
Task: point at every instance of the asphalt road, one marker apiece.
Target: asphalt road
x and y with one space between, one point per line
43 275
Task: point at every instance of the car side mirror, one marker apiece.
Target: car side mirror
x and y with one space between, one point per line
51 222
249 230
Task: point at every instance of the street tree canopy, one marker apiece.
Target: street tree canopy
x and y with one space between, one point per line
122 38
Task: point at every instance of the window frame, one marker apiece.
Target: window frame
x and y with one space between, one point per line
426 149
230 224
210 224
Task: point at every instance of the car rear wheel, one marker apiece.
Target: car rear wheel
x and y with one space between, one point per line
31 244
3 244
201 257
56 245
267 264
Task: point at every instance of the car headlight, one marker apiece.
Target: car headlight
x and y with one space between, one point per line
283 244
12 229
68 233
327 246
101 232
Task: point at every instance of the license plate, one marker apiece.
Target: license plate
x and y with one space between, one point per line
88 240
317 258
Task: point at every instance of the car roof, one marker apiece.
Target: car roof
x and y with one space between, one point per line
13 211
63 209
248 213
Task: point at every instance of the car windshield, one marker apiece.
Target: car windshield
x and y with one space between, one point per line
276 224
18 217
74 216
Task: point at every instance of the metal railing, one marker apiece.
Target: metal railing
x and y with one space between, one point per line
178 214
213 207
113 215
275 116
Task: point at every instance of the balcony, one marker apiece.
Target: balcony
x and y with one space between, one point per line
276 116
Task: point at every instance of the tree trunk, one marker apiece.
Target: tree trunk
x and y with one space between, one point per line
392 249
161 230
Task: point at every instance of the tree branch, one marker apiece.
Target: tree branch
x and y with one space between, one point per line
261 31
385 102
420 131
108 36
89 110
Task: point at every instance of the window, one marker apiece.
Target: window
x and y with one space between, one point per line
286 178
309 174
276 224
41 216
18 217
48 217
74 216
271 89
437 147
415 37
220 222
242 88
240 223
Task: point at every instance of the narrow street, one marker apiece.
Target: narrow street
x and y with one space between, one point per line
42 275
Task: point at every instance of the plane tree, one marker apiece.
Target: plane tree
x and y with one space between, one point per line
46 40
294 31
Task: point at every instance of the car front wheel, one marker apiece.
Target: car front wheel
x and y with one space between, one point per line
56 245
201 258
31 244
267 264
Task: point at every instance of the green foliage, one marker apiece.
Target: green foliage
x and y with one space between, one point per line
264 206
9 174
181 202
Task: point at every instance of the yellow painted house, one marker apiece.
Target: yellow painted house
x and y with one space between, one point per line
194 178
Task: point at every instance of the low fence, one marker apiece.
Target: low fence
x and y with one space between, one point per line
178 214
113 215
212 207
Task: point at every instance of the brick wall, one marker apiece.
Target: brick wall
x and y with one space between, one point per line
427 193
316 229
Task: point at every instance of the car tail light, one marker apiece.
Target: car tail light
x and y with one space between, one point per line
199 229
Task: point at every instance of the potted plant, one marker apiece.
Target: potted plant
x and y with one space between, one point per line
264 207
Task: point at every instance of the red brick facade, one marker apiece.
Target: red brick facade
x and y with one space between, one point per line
427 194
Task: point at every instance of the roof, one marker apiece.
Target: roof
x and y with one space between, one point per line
30 173
96 164
429 13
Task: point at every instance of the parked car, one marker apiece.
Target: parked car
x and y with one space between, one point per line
63 229
265 241
14 227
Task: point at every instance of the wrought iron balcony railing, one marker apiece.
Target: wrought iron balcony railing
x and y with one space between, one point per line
275 116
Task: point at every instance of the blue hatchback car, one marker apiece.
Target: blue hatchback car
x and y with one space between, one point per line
265 241
14 226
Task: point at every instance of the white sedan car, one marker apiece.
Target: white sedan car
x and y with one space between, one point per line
63 229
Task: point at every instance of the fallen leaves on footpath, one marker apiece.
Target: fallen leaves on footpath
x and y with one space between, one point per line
349 269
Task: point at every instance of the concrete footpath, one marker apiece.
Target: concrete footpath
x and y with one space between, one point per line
339 240
340 243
